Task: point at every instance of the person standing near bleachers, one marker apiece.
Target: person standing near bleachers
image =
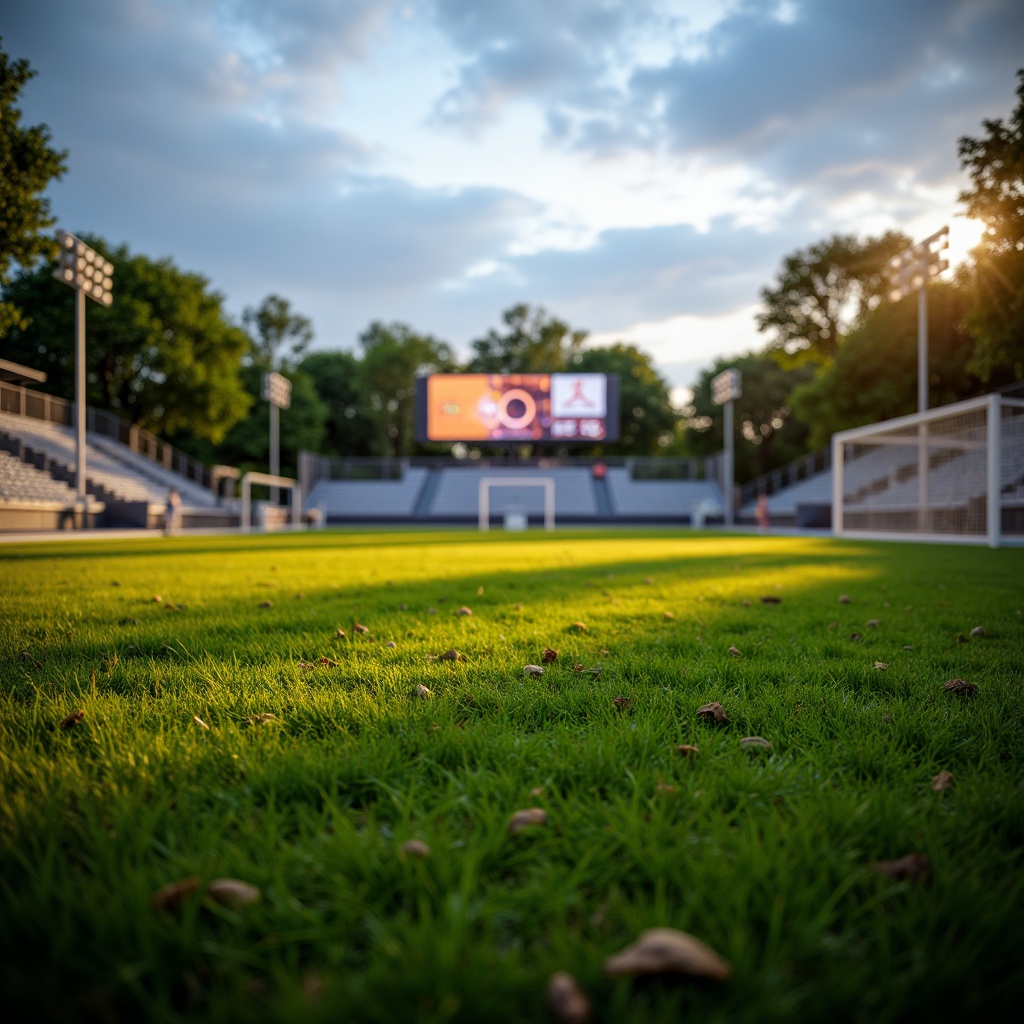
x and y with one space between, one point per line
172 514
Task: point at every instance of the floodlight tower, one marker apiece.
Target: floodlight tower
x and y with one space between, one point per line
85 270
277 390
725 389
914 268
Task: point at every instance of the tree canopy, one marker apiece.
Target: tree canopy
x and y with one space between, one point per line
271 325
996 166
823 291
767 433
164 355
27 165
534 343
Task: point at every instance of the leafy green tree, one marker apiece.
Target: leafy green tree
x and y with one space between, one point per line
348 429
996 197
393 357
27 165
164 355
648 419
271 325
823 292
768 435
533 343
874 375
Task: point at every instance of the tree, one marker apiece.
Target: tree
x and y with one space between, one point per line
270 325
348 430
874 375
824 291
533 343
164 355
768 435
996 166
27 165
393 357
648 419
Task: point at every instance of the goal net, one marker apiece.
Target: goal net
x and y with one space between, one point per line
953 473
518 483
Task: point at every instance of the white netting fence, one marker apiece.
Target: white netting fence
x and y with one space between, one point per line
955 473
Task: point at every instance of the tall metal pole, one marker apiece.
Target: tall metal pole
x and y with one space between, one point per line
275 449
80 403
728 471
922 342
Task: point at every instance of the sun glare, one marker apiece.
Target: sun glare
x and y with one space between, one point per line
964 234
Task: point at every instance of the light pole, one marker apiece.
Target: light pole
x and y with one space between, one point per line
277 390
725 388
914 268
85 270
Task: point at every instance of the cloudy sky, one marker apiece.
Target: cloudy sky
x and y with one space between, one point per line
637 167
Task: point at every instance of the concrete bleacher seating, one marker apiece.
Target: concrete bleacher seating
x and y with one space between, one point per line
373 499
661 499
20 482
123 474
458 492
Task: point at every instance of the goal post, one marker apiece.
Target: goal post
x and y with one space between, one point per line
282 482
955 474
484 496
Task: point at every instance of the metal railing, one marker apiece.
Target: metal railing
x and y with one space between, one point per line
23 401
793 472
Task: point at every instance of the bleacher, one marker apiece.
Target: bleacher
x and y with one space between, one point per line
21 482
359 500
458 492
662 499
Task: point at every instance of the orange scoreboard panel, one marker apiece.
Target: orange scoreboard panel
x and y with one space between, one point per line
516 407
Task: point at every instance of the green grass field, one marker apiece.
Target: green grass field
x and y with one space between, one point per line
765 855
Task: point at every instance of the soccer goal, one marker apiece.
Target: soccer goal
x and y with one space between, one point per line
955 473
484 496
284 483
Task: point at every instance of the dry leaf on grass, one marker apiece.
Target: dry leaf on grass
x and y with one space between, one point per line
233 893
668 951
979 631
881 666
341 634
157 598
174 894
73 719
872 623
266 604
536 791
668 615
770 599
391 644
961 687
567 1002
531 817
415 848
906 869
666 787
622 702
199 722
961 639
261 719
687 749
578 627
423 692
358 627
464 611
451 655
843 599
713 713
734 652
533 670
944 780
755 743
549 655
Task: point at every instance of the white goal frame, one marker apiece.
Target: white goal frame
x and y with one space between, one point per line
487 482
997 453
283 482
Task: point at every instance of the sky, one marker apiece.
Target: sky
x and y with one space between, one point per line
639 168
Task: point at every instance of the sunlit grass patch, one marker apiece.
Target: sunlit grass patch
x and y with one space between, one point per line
228 730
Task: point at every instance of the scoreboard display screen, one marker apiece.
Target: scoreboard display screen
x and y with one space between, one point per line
554 407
